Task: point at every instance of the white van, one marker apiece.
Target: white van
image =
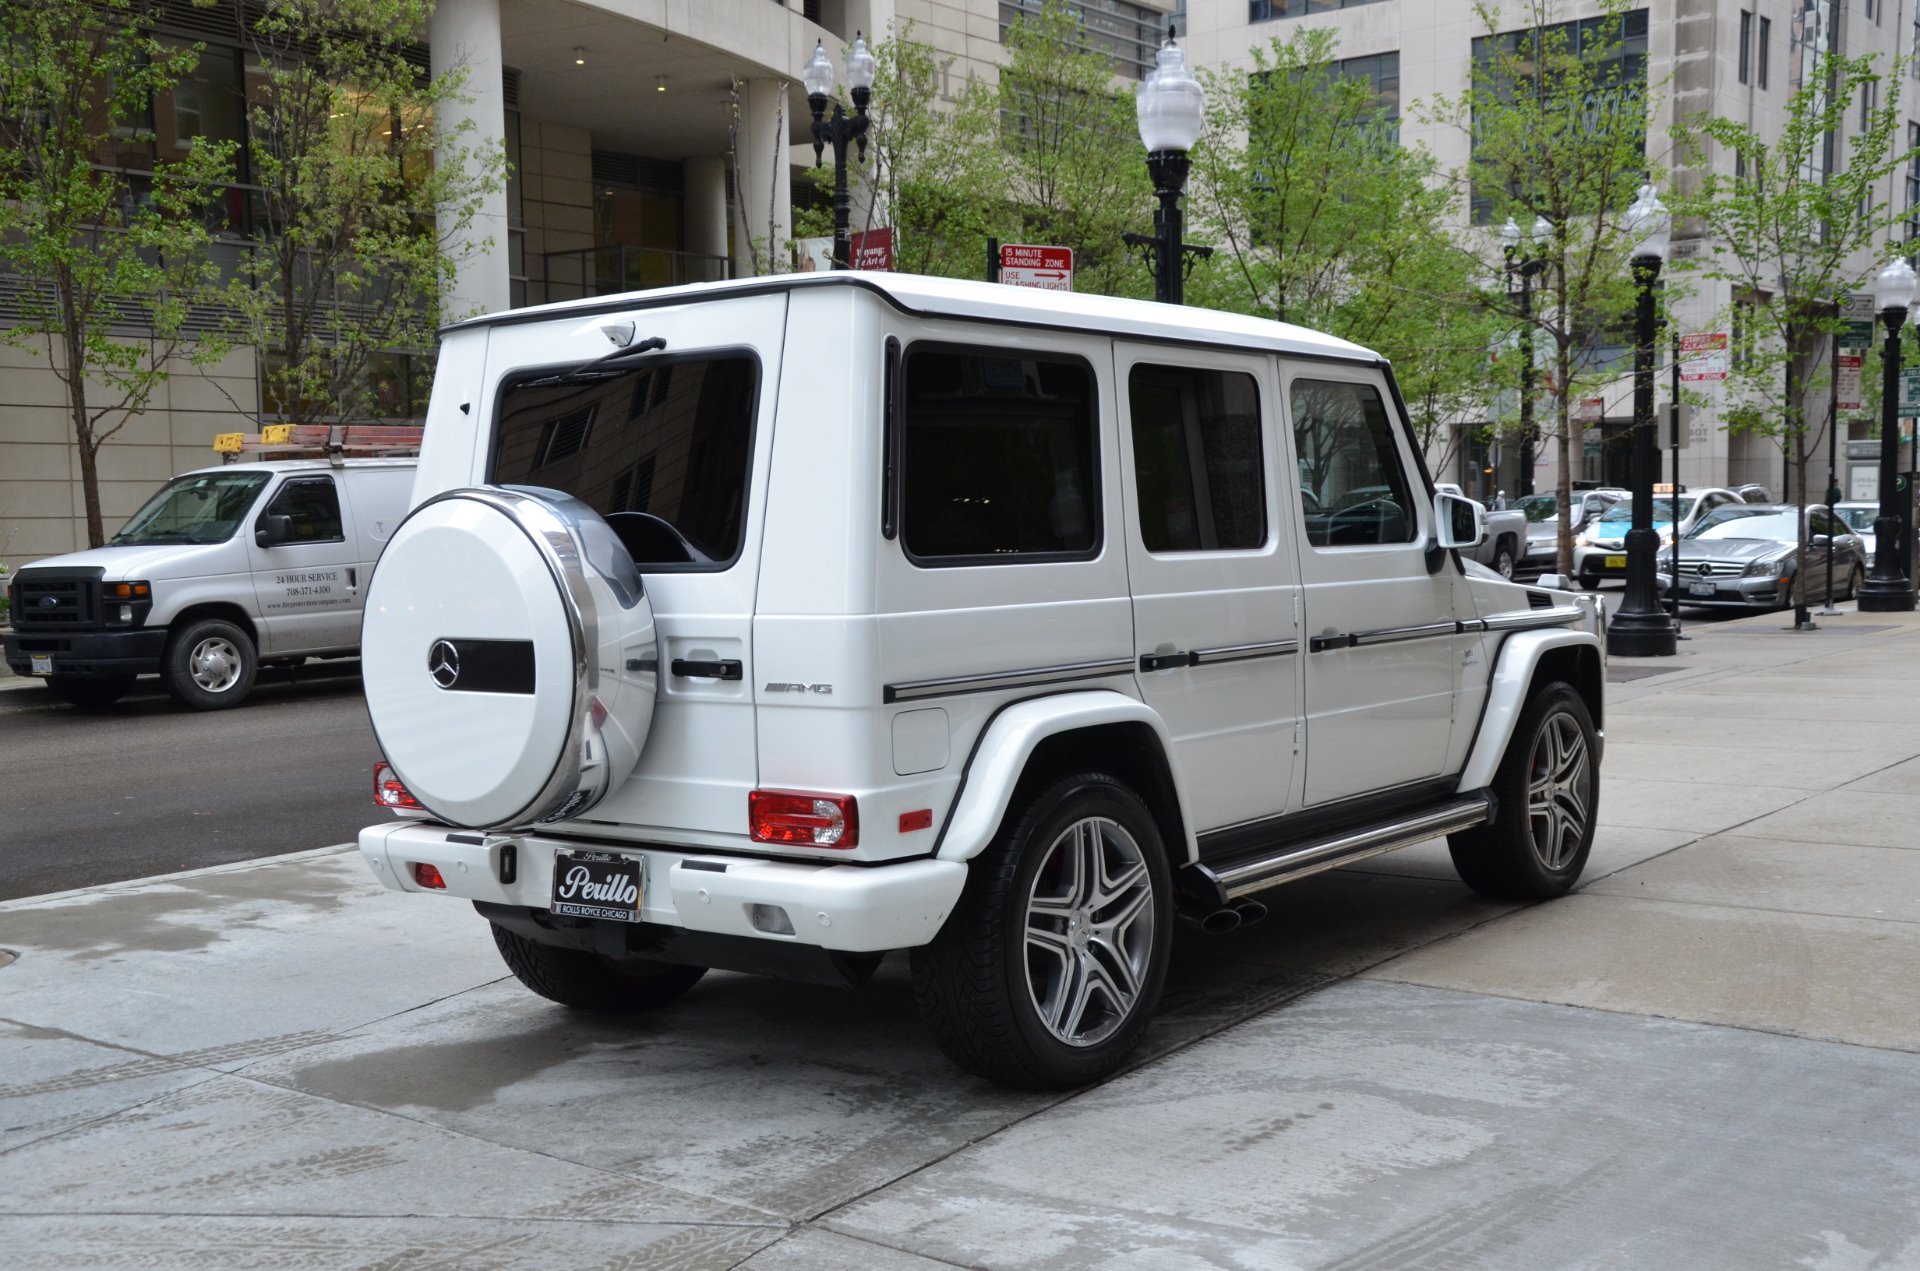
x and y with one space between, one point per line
777 624
222 570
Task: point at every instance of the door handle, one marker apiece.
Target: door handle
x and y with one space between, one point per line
1165 661
725 669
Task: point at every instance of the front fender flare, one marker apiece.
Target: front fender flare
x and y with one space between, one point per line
987 785
1520 654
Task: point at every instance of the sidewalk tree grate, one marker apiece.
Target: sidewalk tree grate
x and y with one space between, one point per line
1628 674
7 956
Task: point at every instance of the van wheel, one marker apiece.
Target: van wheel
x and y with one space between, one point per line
588 982
210 665
84 692
1052 963
1548 792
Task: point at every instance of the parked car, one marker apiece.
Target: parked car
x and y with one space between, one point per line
1753 493
773 625
222 571
1543 523
1859 517
1505 539
1600 550
1743 555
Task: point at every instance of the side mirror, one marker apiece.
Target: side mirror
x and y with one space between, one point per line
1458 522
1819 540
273 530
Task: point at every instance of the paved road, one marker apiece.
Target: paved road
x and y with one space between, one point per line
147 787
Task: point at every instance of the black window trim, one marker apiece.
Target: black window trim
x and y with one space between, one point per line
1399 425
1096 496
297 479
1269 516
520 374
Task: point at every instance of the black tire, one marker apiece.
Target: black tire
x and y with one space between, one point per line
90 693
1854 579
209 665
1506 858
588 982
980 983
1590 582
1503 560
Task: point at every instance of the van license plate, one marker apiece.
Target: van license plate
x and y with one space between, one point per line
42 663
598 885
1616 562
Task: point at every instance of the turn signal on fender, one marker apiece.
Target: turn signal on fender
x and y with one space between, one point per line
807 820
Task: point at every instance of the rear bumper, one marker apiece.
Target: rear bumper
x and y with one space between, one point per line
845 908
88 654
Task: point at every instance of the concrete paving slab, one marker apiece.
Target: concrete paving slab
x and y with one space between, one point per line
51 1081
325 1242
1615 847
1764 758
218 968
1872 818
1377 1126
1899 778
1841 979
1703 807
816 1249
1835 879
1808 730
1780 712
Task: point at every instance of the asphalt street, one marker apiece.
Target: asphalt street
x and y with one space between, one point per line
148 787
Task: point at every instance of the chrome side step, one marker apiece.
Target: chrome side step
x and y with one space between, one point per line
1298 860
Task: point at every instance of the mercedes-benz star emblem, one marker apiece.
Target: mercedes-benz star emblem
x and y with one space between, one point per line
443 663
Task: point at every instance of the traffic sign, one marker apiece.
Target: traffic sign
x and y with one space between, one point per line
1849 385
1703 357
1858 315
1048 268
1910 392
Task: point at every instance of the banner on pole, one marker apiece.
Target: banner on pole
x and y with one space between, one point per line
873 249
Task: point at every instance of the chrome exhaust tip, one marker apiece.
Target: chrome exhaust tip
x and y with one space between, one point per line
1250 911
1214 922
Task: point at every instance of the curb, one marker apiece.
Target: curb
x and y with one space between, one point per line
135 884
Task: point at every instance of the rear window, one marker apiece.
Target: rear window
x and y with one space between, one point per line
997 457
662 452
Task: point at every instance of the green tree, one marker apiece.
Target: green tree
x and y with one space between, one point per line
1787 231
110 261
1556 116
362 194
1319 216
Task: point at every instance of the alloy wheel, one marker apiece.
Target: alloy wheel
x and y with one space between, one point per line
1089 931
1557 790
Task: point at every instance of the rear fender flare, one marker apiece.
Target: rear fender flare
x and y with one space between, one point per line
1520 656
1000 758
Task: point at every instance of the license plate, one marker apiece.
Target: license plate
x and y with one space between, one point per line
42 663
598 885
1701 588
1616 562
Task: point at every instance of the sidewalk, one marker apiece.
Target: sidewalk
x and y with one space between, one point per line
1709 1056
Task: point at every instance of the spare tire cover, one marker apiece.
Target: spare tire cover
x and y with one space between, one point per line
508 657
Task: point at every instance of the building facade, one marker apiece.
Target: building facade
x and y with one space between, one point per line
653 142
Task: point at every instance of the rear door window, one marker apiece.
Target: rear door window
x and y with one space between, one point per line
997 457
662 452
1196 459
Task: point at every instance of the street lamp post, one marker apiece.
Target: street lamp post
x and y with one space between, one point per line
1888 589
1526 267
1168 106
1643 628
817 76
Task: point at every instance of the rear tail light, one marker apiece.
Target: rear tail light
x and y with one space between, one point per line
428 876
387 790
808 820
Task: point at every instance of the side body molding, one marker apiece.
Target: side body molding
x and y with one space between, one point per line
1506 696
1009 741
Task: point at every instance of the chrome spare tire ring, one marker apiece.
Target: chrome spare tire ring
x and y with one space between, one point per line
1558 790
1089 931
214 664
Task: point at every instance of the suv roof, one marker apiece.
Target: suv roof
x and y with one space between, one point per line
959 298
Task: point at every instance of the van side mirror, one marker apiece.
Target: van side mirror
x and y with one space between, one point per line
273 530
1458 521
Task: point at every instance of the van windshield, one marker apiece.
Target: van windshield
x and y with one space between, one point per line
201 507
661 451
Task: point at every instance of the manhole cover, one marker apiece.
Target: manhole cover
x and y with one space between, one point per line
1627 674
6 956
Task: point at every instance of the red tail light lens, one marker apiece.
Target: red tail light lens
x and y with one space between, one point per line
387 790
428 876
808 820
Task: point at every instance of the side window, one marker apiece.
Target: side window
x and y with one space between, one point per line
1196 459
997 456
312 506
1353 489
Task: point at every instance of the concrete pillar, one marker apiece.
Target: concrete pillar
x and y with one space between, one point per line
763 193
706 205
467 34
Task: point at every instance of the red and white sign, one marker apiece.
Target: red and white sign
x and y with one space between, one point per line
1704 357
1591 410
1849 381
873 249
1048 268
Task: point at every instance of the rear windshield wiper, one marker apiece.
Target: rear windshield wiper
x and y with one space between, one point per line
586 369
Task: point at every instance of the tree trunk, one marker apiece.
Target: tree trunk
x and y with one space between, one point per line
1569 443
74 374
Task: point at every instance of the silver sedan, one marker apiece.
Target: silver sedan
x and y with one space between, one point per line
1743 555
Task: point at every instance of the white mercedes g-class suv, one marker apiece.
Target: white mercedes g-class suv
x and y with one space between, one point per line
777 624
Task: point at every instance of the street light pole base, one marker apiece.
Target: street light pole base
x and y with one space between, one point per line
1887 598
1637 635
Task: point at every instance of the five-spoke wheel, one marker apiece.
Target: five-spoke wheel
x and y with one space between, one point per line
1546 792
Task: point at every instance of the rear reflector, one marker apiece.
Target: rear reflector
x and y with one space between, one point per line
428 876
809 820
921 820
387 790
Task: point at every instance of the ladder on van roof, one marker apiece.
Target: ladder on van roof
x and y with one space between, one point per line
336 442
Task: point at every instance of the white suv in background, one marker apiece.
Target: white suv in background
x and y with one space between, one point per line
778 624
